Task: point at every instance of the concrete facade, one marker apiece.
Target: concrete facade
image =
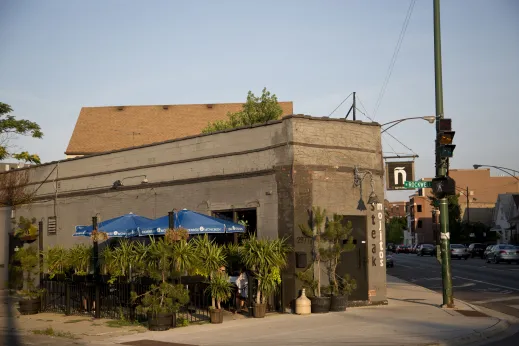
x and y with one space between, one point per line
281 169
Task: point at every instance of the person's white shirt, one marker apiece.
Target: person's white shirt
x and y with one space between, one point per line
242 282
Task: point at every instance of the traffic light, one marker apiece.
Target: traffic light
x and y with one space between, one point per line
445 137
443 187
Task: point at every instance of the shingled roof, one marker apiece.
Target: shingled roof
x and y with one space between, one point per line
101 129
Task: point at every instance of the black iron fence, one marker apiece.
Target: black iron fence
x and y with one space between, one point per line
103 299
113 300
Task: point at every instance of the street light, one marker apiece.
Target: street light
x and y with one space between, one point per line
430 119
502 169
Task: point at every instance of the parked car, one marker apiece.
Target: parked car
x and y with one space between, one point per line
390 263
426 249
477 250
503 253
459 251
487 251
391 247
402 249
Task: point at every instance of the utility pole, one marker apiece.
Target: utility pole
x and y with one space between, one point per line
442 165
353 107
468 207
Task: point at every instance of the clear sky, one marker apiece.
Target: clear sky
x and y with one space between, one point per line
58 56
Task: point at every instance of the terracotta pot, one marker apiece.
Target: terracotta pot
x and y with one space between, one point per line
216 315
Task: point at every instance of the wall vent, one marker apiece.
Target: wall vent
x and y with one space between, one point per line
51 225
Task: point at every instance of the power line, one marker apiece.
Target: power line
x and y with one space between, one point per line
394 57
405 146
347 97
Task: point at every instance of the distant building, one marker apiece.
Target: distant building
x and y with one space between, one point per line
395 209
478 192
104 129
506 218
7 166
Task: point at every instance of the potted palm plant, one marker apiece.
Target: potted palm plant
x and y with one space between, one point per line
211 258
57 263
337 236
166 260
264 258
30 296
80 258
311 277
220 289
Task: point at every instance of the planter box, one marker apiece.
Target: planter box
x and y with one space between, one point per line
216 315
259 310
29 306
162 321
338 303
320 304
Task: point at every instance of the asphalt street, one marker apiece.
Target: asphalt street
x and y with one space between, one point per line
493 286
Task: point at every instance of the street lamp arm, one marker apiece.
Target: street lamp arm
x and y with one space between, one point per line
430 119
502 169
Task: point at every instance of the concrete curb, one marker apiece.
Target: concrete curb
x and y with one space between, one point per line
506 325
481 337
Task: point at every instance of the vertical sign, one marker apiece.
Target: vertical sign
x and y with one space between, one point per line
377 234
397 173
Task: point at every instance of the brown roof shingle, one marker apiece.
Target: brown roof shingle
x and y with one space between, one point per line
100 129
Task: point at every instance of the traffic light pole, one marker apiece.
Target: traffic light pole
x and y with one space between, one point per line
442 165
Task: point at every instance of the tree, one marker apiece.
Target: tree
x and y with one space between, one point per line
10 126
395 227
256 110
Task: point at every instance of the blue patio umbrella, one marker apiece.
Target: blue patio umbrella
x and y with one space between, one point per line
194 222
127 225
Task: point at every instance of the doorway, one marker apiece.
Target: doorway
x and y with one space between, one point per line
355 262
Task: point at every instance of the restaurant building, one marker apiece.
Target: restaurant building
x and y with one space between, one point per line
270 174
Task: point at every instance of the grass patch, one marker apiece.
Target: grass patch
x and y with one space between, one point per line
51 332
75 321
120 323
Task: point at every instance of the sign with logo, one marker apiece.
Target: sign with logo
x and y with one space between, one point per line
397 173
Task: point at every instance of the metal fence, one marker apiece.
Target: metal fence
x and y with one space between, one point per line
113 301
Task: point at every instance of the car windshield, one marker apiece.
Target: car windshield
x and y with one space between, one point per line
428 246
457 246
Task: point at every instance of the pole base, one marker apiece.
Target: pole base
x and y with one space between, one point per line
448 306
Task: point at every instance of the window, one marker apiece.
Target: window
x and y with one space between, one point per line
419 208
419 224
51 225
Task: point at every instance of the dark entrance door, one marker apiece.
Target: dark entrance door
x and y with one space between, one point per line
355 262
15 277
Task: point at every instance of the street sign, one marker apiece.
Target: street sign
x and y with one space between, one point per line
417 184
397 173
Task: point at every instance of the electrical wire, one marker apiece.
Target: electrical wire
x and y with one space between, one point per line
386 133
394 57
347 97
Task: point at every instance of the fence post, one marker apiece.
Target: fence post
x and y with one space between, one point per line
97 313
250 292
132 307
67 298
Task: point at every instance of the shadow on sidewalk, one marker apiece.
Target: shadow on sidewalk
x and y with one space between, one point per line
11 336
415 301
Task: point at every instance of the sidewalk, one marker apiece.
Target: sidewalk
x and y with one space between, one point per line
413 317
